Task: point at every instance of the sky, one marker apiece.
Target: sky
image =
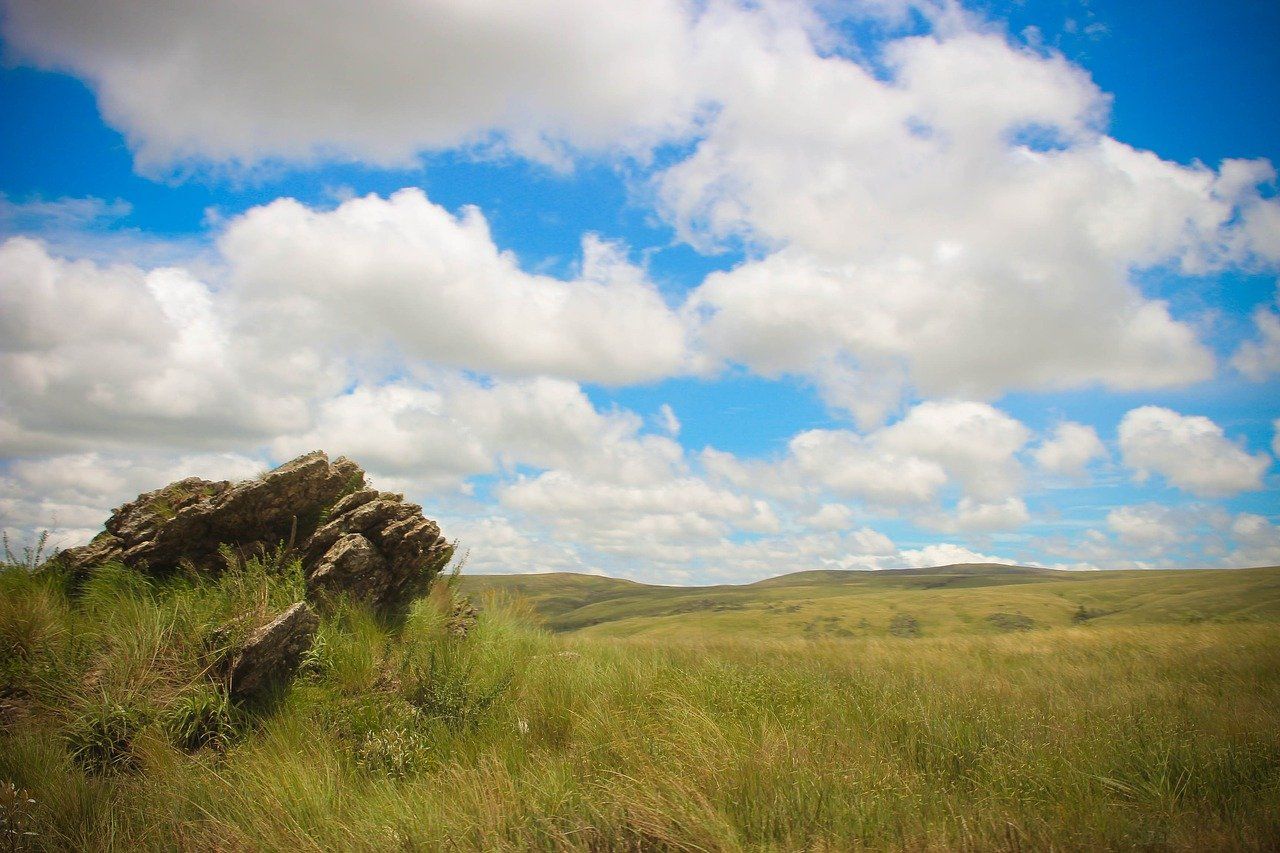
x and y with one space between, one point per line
685 292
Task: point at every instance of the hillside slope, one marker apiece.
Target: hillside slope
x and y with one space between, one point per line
947 600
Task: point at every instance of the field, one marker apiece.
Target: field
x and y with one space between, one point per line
1114 711
943 601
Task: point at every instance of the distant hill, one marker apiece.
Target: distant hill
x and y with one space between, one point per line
946 600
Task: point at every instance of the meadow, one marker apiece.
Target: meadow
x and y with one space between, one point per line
589 714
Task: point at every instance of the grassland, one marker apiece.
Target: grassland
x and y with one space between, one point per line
943 601
650 721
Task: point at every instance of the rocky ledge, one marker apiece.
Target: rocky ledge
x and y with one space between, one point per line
352 540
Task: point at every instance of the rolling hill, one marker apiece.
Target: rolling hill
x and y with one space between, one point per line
947 600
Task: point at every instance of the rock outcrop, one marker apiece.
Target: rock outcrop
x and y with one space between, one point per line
353 540
186 521
377 547
272 654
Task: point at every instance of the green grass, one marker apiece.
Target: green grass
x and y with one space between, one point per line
1140 729
946 601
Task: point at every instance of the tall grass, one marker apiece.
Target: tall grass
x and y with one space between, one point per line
401 736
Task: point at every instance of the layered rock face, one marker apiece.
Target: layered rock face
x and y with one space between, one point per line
375 546
352 539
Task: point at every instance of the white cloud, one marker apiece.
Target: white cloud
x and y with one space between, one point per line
403 273
667 420
1257 541
1190 452
376 82
978 516
926 229
1148 526
909 463
105 355
851 465
636 519
1071 448
976 442
494 544
1259 358
59 214
830 517
946 554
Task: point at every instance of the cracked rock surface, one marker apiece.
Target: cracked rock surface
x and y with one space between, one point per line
272 654
353 540
377 547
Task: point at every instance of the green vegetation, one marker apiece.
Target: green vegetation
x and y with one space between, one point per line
721 723
946 601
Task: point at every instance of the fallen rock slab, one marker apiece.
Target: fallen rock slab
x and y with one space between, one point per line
272 654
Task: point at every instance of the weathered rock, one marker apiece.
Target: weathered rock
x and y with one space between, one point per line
139 520
186 521
272 654
462 618
352 565
353 540
377 547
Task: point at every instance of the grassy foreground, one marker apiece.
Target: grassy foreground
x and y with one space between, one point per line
399 736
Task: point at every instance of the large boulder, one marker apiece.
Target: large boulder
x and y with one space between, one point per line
272 654
376 547
353 540
186 521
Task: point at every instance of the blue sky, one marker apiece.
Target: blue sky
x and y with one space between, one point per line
685 292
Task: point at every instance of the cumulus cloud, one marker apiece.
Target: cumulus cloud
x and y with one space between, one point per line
947 554
978 516
1191 452
643 519
1260 357
1069 450
923 216
930 226
493 544
113 354
375 82
830 517
403 272
1149 526
1257 541
106 353
854 466
952 465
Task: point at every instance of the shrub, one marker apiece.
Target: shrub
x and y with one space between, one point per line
201 717
396 752
15 817
101 739
1011 621
444 690
904 625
